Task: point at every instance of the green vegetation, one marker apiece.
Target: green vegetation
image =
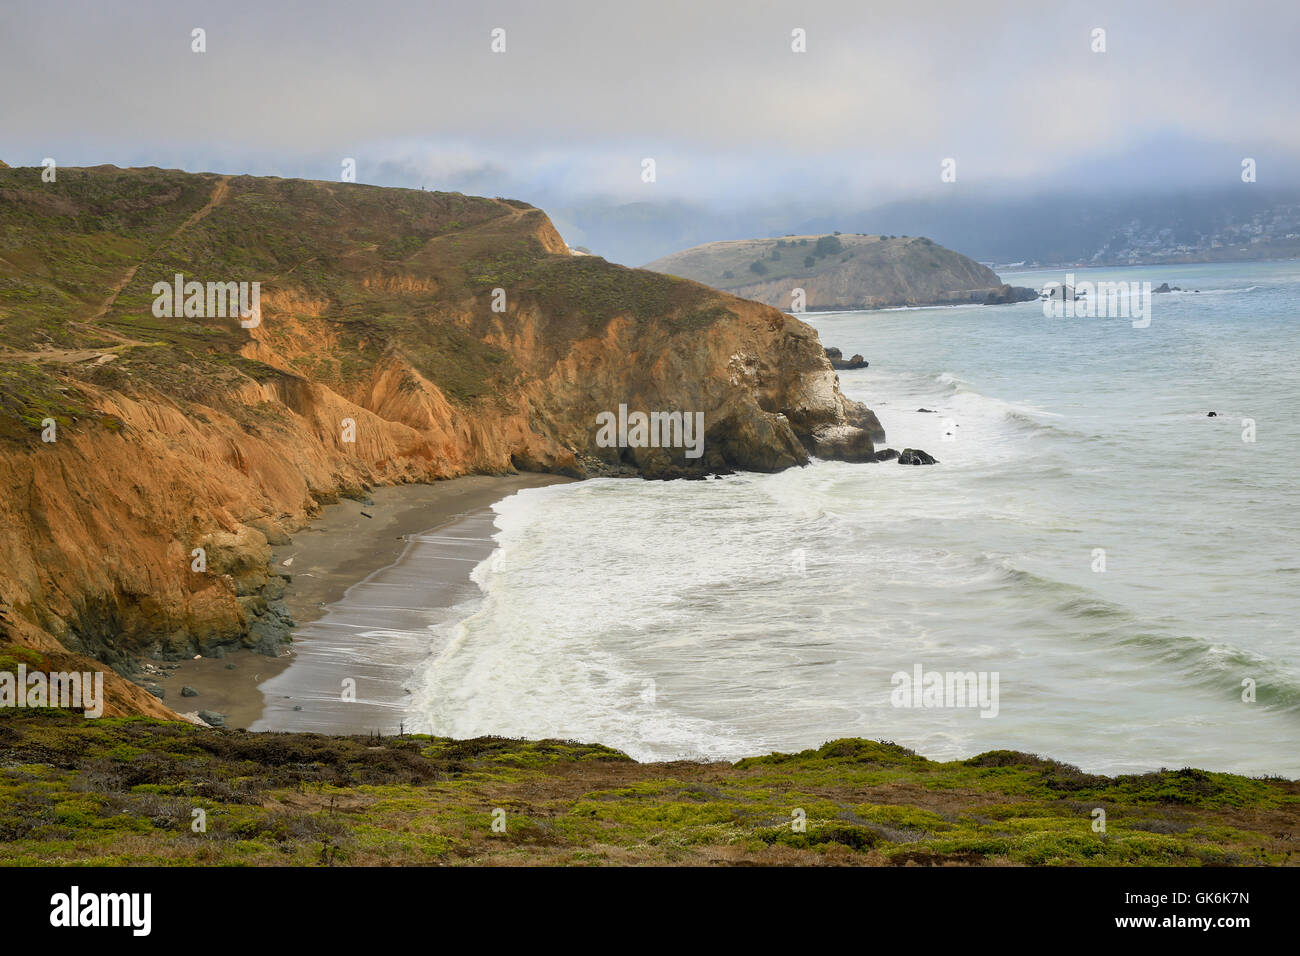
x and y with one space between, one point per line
735 265
828 246
585 292
124 791
29 396
12 657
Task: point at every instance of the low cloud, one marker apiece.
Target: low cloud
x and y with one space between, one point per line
586 90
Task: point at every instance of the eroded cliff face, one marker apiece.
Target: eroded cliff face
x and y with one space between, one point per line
403 337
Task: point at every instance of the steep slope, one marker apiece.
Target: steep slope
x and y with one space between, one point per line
838 271
377 357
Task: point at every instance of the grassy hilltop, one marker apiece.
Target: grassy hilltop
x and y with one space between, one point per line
78 259
123 791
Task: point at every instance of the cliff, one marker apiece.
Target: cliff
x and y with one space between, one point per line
129 440
839 272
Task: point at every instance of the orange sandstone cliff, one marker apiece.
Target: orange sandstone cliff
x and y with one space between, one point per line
403 336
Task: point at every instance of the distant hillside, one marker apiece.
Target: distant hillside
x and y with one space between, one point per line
837 271
1113 227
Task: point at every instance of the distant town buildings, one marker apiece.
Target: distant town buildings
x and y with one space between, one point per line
1275 230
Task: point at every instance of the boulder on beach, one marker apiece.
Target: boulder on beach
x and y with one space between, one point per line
188 691
915 456
212 718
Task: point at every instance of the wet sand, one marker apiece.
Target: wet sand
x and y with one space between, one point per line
346 582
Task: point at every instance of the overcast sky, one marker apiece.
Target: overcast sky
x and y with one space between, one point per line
711 90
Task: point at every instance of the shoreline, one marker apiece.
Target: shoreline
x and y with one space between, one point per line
348 545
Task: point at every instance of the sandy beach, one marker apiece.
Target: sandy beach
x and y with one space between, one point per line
351 544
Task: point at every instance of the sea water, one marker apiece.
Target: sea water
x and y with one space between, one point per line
1126 566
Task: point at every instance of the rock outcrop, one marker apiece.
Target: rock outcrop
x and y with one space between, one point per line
147 462
840 363
1008 294
915 456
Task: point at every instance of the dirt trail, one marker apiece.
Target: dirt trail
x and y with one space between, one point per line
218 196
72 356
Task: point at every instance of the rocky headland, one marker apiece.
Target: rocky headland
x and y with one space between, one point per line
150 463
842 271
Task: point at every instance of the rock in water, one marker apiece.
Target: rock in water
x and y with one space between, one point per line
838 361
1211 414
914 456
1007 294
886 454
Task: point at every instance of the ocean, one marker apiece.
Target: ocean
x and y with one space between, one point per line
1125 567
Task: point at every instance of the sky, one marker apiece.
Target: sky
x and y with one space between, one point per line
713 92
